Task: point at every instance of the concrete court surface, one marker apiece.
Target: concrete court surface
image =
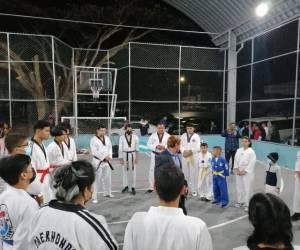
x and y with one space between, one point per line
229 227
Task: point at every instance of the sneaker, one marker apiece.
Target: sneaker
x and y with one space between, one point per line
194 194
95 201
215 202
149 191
295 217
133 191
207 200
109 196
125 189
224 205
238 205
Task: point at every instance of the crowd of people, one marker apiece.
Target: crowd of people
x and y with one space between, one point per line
50 182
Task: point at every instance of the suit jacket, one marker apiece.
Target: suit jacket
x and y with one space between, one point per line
165 157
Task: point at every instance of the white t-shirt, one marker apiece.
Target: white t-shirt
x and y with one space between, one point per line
165 228
17 208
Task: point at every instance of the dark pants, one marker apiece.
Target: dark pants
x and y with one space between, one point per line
182 204
230 154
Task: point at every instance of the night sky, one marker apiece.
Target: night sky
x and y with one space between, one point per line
151 13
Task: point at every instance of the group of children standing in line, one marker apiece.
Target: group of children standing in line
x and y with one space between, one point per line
206 171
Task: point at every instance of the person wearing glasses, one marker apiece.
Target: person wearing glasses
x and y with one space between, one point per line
17 143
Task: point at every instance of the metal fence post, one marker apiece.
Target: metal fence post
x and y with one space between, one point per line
296 86
179 89
129 82
54 79
251 85
9 80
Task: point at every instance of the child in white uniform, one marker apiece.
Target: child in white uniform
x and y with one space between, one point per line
273 174
205 174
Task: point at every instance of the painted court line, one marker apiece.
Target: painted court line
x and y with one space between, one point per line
228 222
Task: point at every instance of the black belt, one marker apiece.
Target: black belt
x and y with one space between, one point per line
156 153
127 153
103 161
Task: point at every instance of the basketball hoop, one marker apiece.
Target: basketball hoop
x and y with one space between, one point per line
96 86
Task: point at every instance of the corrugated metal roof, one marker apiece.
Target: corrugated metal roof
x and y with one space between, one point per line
219 16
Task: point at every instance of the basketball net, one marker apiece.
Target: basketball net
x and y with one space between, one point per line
95 88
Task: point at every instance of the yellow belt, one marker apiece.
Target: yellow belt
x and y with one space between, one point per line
203 172
220 173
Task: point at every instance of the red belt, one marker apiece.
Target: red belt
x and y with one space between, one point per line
44 172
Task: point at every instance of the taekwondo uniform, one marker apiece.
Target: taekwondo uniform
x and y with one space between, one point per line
245 160
166 228
16 210
40 162
154 140
220 170
190 164
67 226
296 204
205 176
101 149
58 153
128 148
72 153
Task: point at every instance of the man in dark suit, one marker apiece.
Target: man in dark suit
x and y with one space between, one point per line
170 155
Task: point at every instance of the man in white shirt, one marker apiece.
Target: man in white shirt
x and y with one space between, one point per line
57 150
128 152
101 149
40 160
17 207
17 143
166 227
157 143
70 143
190 147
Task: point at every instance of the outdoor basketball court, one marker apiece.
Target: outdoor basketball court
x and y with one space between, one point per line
228 227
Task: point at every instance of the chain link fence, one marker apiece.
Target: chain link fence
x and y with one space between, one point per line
267 84
157 82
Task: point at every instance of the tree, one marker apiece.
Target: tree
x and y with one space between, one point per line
29 76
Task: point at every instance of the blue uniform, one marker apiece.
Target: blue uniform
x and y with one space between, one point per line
220 170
